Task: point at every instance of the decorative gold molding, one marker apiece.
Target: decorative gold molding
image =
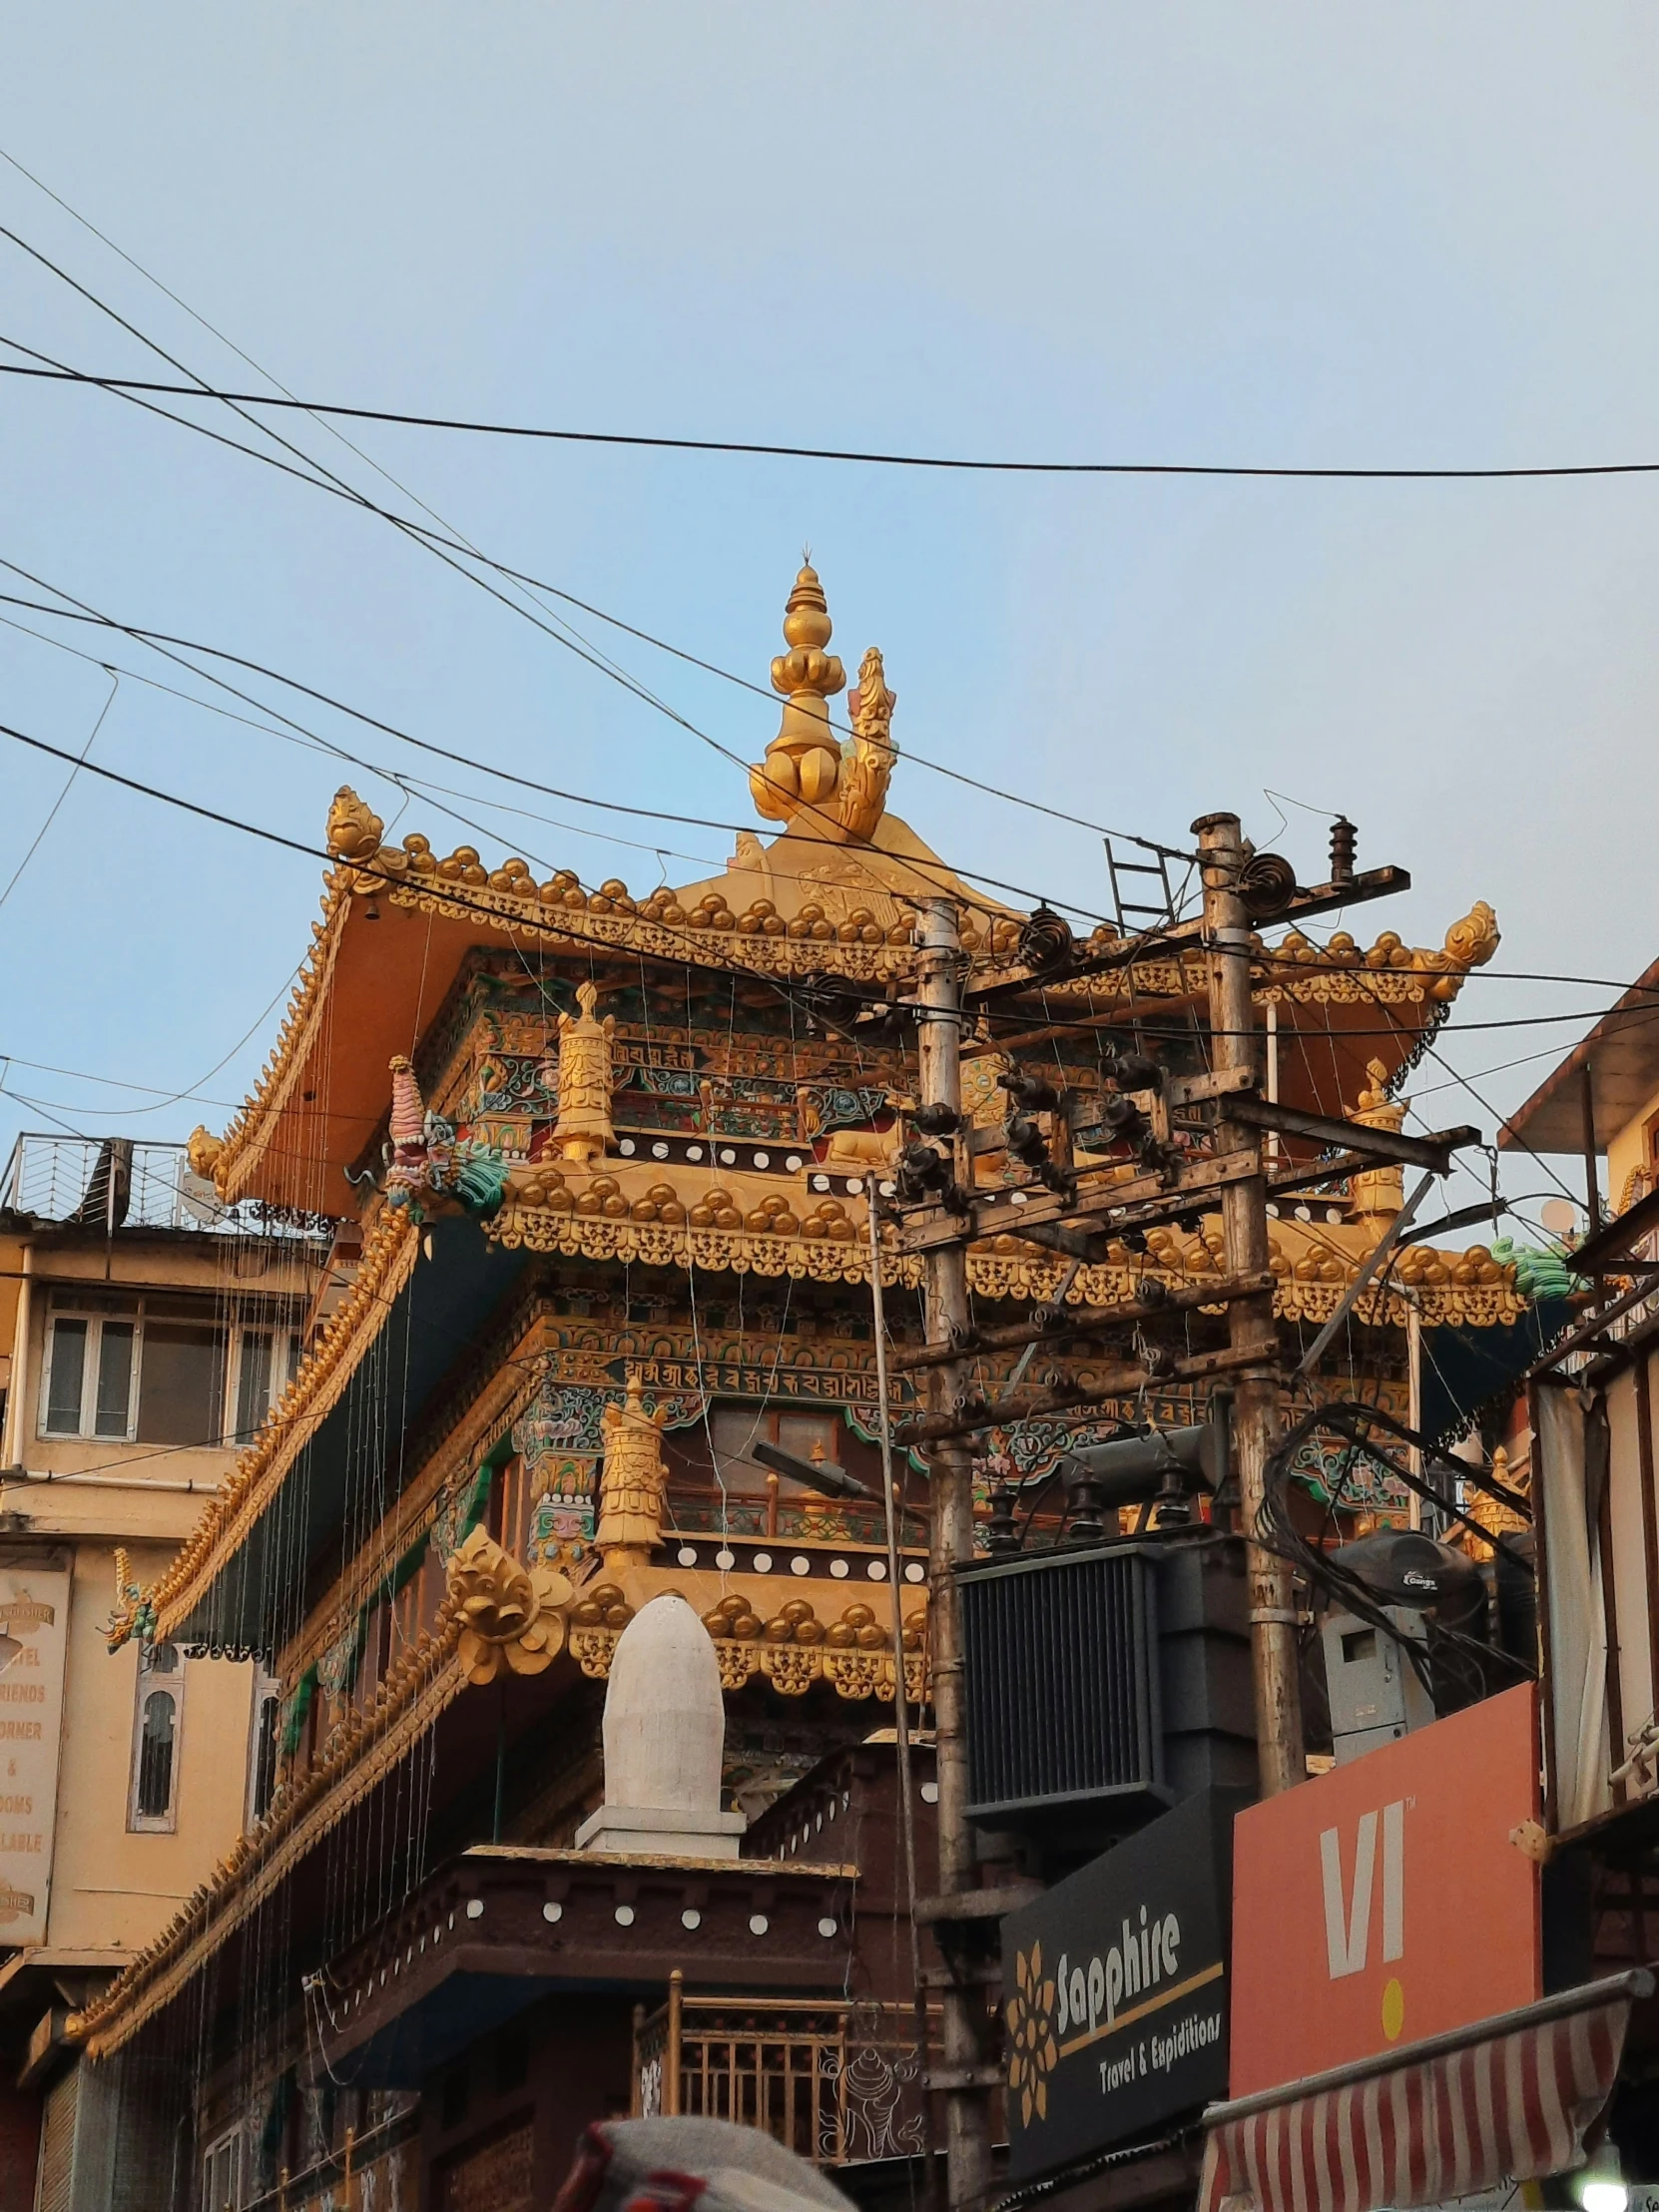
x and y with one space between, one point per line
1470 1288
791 1668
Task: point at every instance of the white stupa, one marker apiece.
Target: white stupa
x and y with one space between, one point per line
665 1732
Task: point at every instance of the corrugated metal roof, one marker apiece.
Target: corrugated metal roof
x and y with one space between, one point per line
1622 1055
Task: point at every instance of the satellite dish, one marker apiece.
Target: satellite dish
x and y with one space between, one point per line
1559 1216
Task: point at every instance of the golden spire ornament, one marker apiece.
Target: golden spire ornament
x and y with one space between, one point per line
840 793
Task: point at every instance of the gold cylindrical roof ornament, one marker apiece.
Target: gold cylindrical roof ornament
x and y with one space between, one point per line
582 1132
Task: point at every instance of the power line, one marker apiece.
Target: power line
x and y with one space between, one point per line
445 548
870 460
161 639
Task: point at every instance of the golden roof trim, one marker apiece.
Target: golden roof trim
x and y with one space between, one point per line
870 941
1470 1288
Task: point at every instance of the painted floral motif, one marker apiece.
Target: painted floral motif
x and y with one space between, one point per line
1032 2052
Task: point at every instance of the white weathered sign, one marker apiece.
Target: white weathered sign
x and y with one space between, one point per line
34 1627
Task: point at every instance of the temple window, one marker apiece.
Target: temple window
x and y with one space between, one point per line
811 1435
152 1799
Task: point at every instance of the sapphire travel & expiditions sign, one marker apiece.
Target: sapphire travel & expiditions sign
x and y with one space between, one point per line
1117 2007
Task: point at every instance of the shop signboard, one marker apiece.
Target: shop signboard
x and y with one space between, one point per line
34 1623
1390 1900
1116 1991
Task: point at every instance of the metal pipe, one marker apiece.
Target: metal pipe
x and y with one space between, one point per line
900 1701
15 1477
1250 1327
671 2055
950 1541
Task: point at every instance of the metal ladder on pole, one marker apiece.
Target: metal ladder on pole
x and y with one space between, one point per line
1146 914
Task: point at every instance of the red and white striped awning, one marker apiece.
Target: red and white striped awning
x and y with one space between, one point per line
1508 2099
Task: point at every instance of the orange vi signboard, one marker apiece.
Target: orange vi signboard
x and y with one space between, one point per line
1385 1901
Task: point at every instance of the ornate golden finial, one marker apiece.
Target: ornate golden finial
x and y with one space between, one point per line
631 1491
1379 1191
353 826
511 1618
803 760
1491 1513
584 1132
842 790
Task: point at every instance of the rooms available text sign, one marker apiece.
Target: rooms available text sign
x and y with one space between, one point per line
34 1622
1116 1990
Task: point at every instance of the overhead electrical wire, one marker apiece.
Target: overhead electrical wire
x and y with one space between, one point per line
865 457
458 540
446 548
161 640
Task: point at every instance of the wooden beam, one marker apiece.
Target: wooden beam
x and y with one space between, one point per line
1083 1321
1391 1145
1124 1382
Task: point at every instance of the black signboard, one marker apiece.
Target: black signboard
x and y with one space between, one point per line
1116 1990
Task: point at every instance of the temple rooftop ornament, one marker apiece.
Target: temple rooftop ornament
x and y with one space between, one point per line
665 1735
631 1488
837 791
584 1131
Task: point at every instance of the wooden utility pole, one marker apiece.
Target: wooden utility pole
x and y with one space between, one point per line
950 1543
1235 1044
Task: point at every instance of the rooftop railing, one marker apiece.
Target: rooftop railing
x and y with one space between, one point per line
103 1184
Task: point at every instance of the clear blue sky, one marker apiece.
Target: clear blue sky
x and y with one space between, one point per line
1375 235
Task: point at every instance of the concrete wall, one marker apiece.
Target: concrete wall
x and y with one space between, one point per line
112 1889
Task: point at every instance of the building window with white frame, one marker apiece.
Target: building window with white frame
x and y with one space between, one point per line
222 2173
153 1798
264 1359
89 1386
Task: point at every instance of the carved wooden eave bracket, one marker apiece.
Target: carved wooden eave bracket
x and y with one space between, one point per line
512 1618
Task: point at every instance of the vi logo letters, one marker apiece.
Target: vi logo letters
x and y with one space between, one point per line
1348 1920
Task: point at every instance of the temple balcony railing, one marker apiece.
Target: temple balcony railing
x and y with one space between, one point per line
836 2081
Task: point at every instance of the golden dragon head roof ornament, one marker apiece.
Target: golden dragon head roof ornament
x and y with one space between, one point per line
838 790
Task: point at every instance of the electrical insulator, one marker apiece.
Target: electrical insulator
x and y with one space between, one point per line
1045 941
937 1120
1133 1071
1121 1118
1025 1140
1267 885
922 1169
1344 840
1034 1092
